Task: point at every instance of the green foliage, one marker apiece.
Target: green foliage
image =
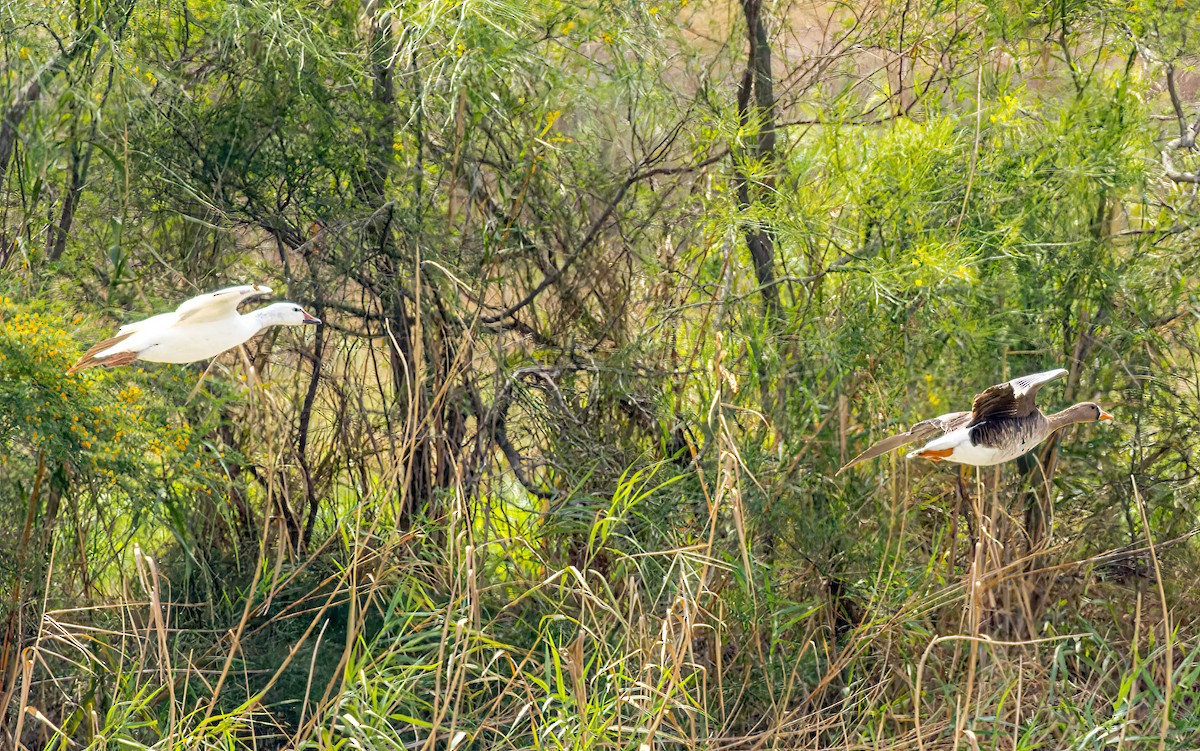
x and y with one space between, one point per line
553 475
97 427
111 448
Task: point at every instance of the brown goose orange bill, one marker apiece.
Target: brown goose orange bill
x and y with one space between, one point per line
1105 415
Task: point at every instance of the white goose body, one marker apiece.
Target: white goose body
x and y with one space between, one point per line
200 328
157 339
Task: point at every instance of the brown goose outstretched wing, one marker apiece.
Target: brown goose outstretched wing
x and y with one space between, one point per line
1014 398
922 431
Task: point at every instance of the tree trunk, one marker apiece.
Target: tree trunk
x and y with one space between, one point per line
31 92
80 161
404 331
305 422
116 17
758 82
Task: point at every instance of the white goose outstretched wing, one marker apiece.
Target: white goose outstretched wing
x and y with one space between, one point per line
214 306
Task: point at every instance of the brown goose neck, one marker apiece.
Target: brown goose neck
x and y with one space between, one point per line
1069 416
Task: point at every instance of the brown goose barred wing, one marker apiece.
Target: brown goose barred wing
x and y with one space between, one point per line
996 401
1014 398
922 431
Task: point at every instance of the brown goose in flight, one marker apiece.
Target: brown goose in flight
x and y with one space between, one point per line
1003 423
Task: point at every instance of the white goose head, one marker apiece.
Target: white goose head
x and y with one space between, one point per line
284 314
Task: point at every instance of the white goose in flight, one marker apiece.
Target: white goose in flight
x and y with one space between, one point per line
200 328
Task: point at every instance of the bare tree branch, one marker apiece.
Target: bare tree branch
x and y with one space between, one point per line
1187 135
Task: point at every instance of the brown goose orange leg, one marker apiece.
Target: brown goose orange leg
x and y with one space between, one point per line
935 455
